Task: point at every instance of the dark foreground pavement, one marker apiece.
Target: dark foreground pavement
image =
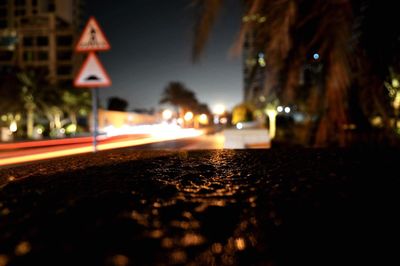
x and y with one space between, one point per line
248 207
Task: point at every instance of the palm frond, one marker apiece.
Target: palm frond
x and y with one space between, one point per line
208 12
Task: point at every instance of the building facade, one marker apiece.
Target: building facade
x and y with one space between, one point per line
40 35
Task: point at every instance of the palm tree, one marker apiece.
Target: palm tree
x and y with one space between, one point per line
176 94
74 101
290 32
38 94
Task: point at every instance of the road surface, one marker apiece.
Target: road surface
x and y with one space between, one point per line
223 207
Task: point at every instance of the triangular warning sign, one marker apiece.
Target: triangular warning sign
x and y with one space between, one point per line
92 74
92 38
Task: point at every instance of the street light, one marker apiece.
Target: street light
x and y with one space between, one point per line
13 127
188 116
167 114
203 119
219 109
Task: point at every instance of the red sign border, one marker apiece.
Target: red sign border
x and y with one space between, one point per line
92 85
83 50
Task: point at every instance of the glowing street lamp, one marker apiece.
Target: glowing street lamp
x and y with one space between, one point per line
188 116
203 119
219 109
167 114
13 127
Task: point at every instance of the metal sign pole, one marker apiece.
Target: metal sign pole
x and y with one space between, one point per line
92 73
95 99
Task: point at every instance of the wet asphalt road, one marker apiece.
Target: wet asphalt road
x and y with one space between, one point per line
244 207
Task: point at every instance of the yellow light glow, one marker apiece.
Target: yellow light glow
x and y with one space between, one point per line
219 109
22 248
167 114
223 120
395 83
71 128
240 244
13 126
188 116
396 102
271 113
262 19
261 62
203 119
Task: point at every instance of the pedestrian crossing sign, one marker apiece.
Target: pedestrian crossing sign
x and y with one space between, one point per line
92 38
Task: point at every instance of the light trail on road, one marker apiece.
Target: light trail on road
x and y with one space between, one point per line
64 150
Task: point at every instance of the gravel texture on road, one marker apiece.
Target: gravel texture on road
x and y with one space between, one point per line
217 207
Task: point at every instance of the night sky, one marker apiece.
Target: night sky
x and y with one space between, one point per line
151 45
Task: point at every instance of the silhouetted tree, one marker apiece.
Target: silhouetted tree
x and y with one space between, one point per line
117 104
75 101
202 108
38 96
355 47
178 95
149 111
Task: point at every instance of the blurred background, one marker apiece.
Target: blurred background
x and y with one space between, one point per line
219 74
